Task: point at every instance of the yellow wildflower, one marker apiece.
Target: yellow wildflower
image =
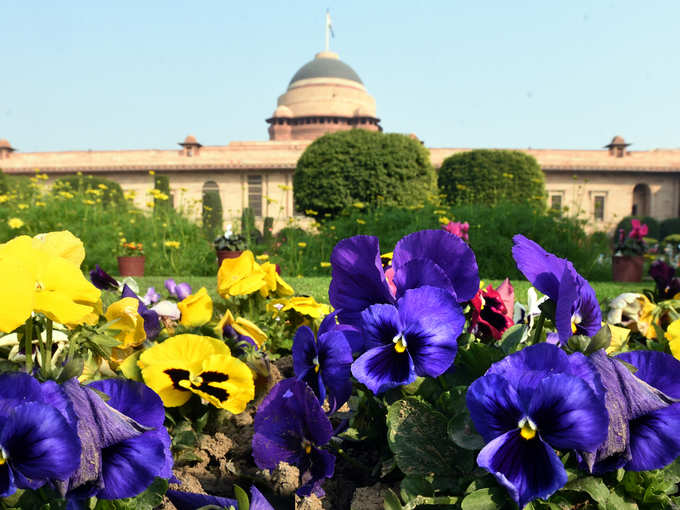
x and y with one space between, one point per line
15 223
102 186
325 264
262 257
302 244
89 202
22 206
361 222
171 244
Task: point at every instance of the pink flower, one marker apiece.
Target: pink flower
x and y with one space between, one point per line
458 229
639 230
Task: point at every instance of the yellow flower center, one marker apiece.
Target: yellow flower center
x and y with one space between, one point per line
3 456
575 321
39 286
527 428
316 364
399 343
307 445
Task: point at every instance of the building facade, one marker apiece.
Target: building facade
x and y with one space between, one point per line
324 96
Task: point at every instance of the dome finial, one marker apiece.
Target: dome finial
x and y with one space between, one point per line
329 30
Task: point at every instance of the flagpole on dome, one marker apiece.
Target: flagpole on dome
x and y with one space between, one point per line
329 30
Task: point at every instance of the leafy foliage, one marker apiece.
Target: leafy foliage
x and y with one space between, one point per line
111 192
212 212
669 226
343 168
492 176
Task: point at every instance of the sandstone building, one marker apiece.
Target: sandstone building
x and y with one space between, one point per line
326 95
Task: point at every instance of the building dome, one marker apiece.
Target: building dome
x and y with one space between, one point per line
282 111
4 144
325 95
326 64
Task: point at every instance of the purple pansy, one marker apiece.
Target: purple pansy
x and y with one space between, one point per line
291 426
130 466
577 310
177 290
99 426
102 280
324 363
417 336
643 419
527 405
151 297
667 284
192 501
430 257
37 443
152 323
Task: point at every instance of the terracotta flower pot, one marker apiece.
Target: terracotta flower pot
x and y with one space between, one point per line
226 254
627 268
131 266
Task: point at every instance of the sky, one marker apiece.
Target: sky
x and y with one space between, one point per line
569 74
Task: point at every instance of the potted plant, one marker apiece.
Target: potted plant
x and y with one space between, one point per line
131 260
229 245
629 251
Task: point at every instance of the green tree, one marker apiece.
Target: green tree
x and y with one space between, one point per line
340 169
492 176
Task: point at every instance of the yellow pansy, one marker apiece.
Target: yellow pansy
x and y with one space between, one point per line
36 280
242 326
673 336
128 322
188 364
62 244
240 276
273 283
619 338
196 309
304 305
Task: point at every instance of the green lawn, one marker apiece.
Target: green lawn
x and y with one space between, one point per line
317 286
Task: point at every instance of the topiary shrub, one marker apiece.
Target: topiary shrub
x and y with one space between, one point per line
669 227
111 192
340 169
492 176
212 213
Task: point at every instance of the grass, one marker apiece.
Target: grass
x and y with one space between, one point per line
317 286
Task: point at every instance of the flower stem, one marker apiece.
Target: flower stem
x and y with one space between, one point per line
28 344
47 350
539 328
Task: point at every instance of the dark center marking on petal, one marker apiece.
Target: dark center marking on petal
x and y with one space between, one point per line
212 377
176 375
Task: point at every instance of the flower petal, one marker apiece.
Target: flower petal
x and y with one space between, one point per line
432 320
420 272
568 414
358 280
382 368
190 501
447 251
529 469
493 406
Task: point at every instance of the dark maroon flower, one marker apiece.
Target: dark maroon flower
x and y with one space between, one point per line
490 315
102 280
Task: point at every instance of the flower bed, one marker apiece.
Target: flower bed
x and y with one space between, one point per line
417 386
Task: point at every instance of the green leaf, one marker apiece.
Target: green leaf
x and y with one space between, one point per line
615 501
391 501
147 500
578 343
462 432
73 368
484 499
413 486
512 337
473 362
593 486
417 436
241 498
600 340
129 367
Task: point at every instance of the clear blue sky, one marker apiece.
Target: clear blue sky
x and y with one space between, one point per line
572 74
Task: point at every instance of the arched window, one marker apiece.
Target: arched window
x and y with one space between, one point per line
642 200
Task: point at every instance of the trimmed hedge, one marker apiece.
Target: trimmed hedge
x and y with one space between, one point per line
492 176
212 213
341 169
668 227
